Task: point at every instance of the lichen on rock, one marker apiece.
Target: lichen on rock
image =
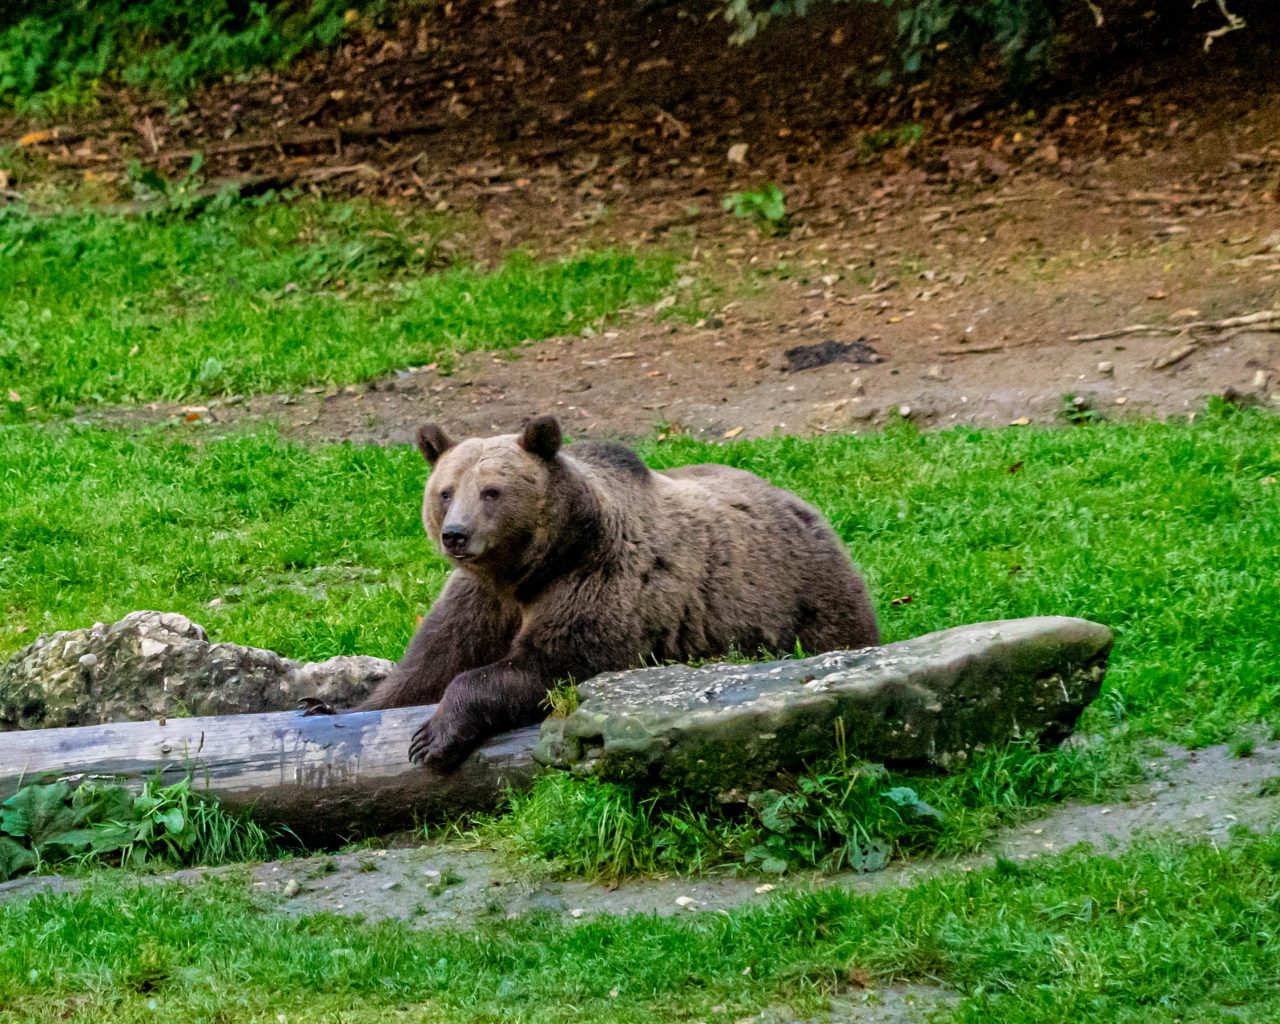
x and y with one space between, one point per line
161 665
929 702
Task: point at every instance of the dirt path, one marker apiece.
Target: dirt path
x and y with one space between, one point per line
944 312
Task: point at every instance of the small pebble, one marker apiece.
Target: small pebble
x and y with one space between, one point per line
576 912
1107 368
1259 381
292 888
88 660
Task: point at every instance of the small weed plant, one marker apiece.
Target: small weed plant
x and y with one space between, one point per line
902 137
765 207
55 826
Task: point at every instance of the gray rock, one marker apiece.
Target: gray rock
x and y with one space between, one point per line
930 702
162 665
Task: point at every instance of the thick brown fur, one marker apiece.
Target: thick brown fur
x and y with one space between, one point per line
579 561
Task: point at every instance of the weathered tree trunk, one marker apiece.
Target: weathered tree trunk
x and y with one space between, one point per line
328 778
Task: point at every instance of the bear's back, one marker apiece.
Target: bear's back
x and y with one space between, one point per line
611 459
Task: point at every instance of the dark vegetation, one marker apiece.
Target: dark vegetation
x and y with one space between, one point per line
54 54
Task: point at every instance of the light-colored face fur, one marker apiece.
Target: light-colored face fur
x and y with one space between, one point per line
485 500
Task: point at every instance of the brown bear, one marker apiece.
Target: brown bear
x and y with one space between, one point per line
574 561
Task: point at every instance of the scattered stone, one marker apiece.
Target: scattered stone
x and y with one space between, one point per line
1260 380
161 665
936 372
738 153
1107 368
930 702
856 387
291 888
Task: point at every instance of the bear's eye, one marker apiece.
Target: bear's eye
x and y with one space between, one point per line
446 494
490 494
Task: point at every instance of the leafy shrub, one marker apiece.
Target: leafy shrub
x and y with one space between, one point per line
1021 32
53 825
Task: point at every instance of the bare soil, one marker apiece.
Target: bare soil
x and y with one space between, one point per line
963 236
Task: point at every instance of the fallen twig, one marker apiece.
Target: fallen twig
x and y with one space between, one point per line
1266 320
976 350
335 136
1176 356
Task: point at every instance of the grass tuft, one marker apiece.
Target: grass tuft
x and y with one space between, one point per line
842 814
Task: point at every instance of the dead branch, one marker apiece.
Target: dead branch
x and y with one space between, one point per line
1263 320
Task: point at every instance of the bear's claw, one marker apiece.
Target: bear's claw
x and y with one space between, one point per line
314 706
437 746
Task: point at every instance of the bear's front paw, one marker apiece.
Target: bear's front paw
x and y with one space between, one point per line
314 706
438 744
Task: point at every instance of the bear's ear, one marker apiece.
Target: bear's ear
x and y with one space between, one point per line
432 442
541 437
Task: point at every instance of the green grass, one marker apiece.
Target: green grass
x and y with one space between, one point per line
54 53
840 815
1166 532
256 297
1164 932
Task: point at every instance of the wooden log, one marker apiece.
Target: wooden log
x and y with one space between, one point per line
328 778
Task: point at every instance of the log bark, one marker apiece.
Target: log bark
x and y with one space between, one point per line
328 778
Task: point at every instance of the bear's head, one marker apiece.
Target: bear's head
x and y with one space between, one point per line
486 501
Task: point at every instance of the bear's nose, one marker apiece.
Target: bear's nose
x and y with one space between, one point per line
454 539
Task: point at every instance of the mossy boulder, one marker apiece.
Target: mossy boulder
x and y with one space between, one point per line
929 702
